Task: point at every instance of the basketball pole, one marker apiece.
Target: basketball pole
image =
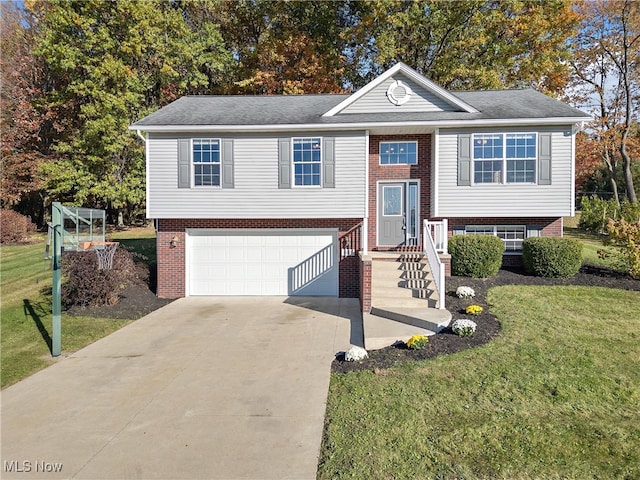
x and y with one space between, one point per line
56 287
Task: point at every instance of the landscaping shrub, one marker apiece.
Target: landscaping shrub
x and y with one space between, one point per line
473 310
478 256
85 285
355 354
464 327
417 342
625 237
554 257
596 213
14 228
465 292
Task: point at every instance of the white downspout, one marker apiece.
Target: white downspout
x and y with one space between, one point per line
435 184
572 200
141 136
365 223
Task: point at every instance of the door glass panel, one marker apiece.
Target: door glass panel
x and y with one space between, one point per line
392 200
413 211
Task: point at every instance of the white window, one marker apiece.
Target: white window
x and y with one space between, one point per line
307 161
398 153
206 162
504 158
511 235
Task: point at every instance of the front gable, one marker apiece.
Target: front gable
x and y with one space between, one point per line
400 89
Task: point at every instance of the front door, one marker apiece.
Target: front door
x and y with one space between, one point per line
398 213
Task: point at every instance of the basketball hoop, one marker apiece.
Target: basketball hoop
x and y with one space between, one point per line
105 252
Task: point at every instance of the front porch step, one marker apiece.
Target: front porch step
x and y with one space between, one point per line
400 266
395 281
416 275
403 300
433 319
381 332
415 283
396 295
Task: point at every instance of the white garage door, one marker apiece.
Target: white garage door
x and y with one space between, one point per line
262 262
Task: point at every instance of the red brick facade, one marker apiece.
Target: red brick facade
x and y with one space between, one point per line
171 259
377 173
365 284
549 227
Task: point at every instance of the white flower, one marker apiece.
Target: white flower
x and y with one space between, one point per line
355 354
464 327
465 292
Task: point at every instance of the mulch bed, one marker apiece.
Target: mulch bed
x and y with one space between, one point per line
136 301
447 342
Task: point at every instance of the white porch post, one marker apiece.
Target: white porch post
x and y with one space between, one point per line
365 222
445 236
365 240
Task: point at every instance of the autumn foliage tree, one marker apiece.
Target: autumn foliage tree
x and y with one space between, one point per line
26 127
606 80
467 45
588 162
285 47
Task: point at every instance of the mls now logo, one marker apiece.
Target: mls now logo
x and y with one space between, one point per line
26 466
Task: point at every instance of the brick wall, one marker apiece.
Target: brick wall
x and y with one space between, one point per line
365 284
377 172
171 260
550 227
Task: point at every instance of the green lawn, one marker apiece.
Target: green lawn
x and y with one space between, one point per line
556 395
138 240
591 244
25 310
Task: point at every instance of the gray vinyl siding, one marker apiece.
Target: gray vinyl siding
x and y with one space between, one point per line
376 100
255 192
510 200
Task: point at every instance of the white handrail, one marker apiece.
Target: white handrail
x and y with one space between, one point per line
438 231
436 266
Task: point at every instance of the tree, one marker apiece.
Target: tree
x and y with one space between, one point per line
112 63
467 45
284 47
606 51
588 161
24 128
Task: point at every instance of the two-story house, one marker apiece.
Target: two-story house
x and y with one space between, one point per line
298 195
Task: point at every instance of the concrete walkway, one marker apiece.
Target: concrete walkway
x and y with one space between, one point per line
205 388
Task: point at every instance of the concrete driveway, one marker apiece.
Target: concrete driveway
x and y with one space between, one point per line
206 387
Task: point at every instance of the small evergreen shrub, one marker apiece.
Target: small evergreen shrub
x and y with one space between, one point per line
85 285
478 256
554 257
15 228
